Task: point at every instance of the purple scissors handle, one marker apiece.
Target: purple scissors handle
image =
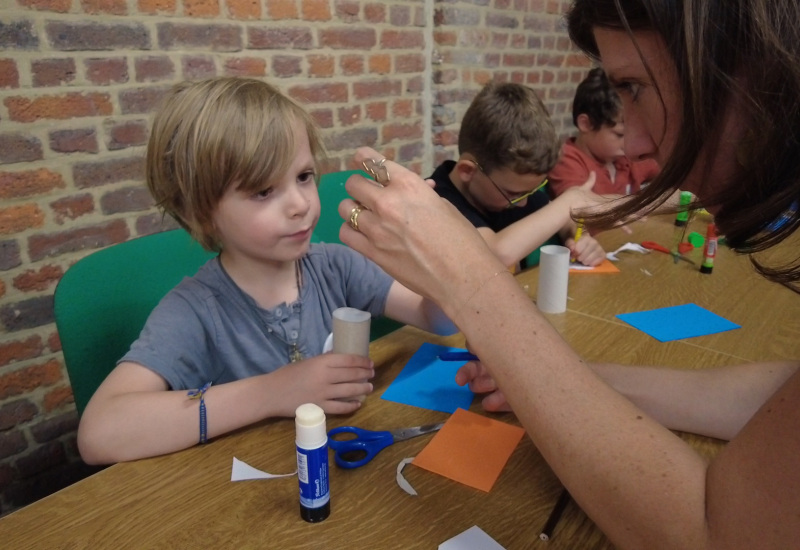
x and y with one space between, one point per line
357 451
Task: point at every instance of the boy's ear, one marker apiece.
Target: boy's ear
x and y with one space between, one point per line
465 169
584 124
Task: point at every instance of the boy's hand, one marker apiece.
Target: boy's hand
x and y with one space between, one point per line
334 381
479 380
586 250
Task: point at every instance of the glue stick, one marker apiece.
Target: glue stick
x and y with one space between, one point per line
682 218
311 439
710 250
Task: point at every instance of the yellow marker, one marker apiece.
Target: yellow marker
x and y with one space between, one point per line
578 233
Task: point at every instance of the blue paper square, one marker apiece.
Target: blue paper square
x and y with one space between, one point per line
677 322
430 383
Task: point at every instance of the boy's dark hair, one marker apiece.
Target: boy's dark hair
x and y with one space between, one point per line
596 99
508 126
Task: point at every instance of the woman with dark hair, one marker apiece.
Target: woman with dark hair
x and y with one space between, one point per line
710 89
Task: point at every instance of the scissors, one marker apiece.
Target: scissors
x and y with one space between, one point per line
355 452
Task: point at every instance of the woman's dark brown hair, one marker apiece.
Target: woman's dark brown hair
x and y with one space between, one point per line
748 49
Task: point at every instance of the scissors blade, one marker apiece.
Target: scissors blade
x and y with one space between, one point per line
408 433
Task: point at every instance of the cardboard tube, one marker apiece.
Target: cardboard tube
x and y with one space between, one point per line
553 279
351 331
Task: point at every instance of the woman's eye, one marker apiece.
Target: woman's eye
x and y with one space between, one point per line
630 89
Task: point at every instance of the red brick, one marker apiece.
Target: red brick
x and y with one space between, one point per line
59 6
15 219
30 378
285 66
321 66
409 63
377 88
401 131
295 38
9 74
54 343
57 399
9 254
347 10
12 443
73 207
82 140
129 199
104 7
403 108
282 9
348 39
196 67
349 115
380 63
2 288
377 111
56 427
15 185
19 350
153 7
93 174
69 105
153 68
19 148
42 458
97 34
245 66
141 100
399 16
244 9
27 314
121 135
208 37
315 10
201 8
352 64
16 412
30 280
320 93
101 235
375 13
103 72
343 141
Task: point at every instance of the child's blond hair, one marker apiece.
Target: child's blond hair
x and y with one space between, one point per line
213 133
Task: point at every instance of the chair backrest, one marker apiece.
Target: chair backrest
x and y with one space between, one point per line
331 193
103 300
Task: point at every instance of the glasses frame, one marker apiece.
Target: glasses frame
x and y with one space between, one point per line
512 203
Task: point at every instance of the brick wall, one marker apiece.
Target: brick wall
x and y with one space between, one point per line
79 78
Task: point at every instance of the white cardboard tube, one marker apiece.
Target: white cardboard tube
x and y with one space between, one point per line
351 331
551 296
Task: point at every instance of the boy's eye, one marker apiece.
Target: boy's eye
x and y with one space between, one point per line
307 177
263 194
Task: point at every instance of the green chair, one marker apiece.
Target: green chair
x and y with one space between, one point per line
331 193
103 300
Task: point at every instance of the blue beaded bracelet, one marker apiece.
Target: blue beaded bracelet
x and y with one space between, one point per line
200 394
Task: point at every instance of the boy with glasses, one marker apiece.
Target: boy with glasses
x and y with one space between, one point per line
507 145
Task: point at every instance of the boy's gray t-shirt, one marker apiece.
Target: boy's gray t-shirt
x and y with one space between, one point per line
206 329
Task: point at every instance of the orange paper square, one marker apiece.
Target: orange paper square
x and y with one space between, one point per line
605 267
470 449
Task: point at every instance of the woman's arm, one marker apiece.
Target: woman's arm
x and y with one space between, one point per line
412 309
643 485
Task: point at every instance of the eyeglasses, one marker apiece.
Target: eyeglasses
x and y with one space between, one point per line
511 202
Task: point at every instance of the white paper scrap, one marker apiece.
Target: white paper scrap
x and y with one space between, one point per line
473 538
401 481
241 471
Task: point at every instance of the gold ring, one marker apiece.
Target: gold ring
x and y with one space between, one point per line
377 169
354 216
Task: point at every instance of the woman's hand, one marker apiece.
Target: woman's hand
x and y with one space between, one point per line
416 236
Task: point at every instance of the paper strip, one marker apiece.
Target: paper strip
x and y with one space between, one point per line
242 471
401 480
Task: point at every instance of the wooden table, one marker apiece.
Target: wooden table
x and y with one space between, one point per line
186 500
